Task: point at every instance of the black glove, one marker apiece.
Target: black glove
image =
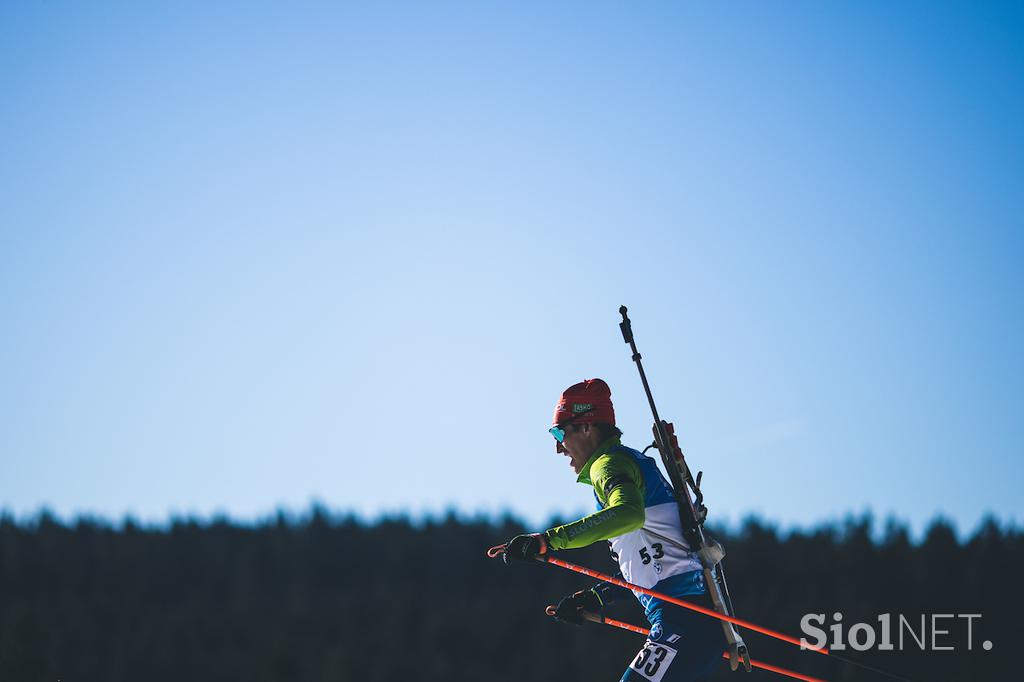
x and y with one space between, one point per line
525 547
568 610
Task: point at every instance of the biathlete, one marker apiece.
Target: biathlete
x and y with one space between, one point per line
637 515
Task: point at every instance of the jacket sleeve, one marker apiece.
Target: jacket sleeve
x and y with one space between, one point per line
619 485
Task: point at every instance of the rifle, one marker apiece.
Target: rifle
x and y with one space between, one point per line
692 512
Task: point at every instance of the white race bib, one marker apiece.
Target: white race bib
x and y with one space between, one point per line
653 660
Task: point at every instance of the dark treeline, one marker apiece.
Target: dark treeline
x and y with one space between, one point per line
325 598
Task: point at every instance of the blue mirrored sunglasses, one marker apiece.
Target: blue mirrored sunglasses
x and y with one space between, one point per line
558 432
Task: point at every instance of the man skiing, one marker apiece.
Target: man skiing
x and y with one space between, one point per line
638 516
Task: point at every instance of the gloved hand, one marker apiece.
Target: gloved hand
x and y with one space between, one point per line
525 547
568 610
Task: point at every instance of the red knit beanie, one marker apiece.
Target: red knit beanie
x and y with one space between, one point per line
587 402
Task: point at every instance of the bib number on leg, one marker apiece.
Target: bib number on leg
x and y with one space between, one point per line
653 660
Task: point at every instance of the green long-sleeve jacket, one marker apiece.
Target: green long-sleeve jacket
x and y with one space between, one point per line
619 488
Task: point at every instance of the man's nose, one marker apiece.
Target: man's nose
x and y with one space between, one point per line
559 447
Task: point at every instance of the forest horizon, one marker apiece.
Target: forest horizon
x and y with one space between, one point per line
308 597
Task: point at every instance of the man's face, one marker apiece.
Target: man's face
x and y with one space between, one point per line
578 445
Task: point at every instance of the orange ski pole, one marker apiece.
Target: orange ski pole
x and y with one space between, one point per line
596 618
548 559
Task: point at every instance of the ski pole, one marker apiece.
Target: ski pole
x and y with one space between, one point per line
604 620
548 559
680 602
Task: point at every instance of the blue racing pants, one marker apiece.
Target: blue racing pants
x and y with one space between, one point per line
684 646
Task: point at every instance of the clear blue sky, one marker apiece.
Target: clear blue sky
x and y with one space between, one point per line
253 254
